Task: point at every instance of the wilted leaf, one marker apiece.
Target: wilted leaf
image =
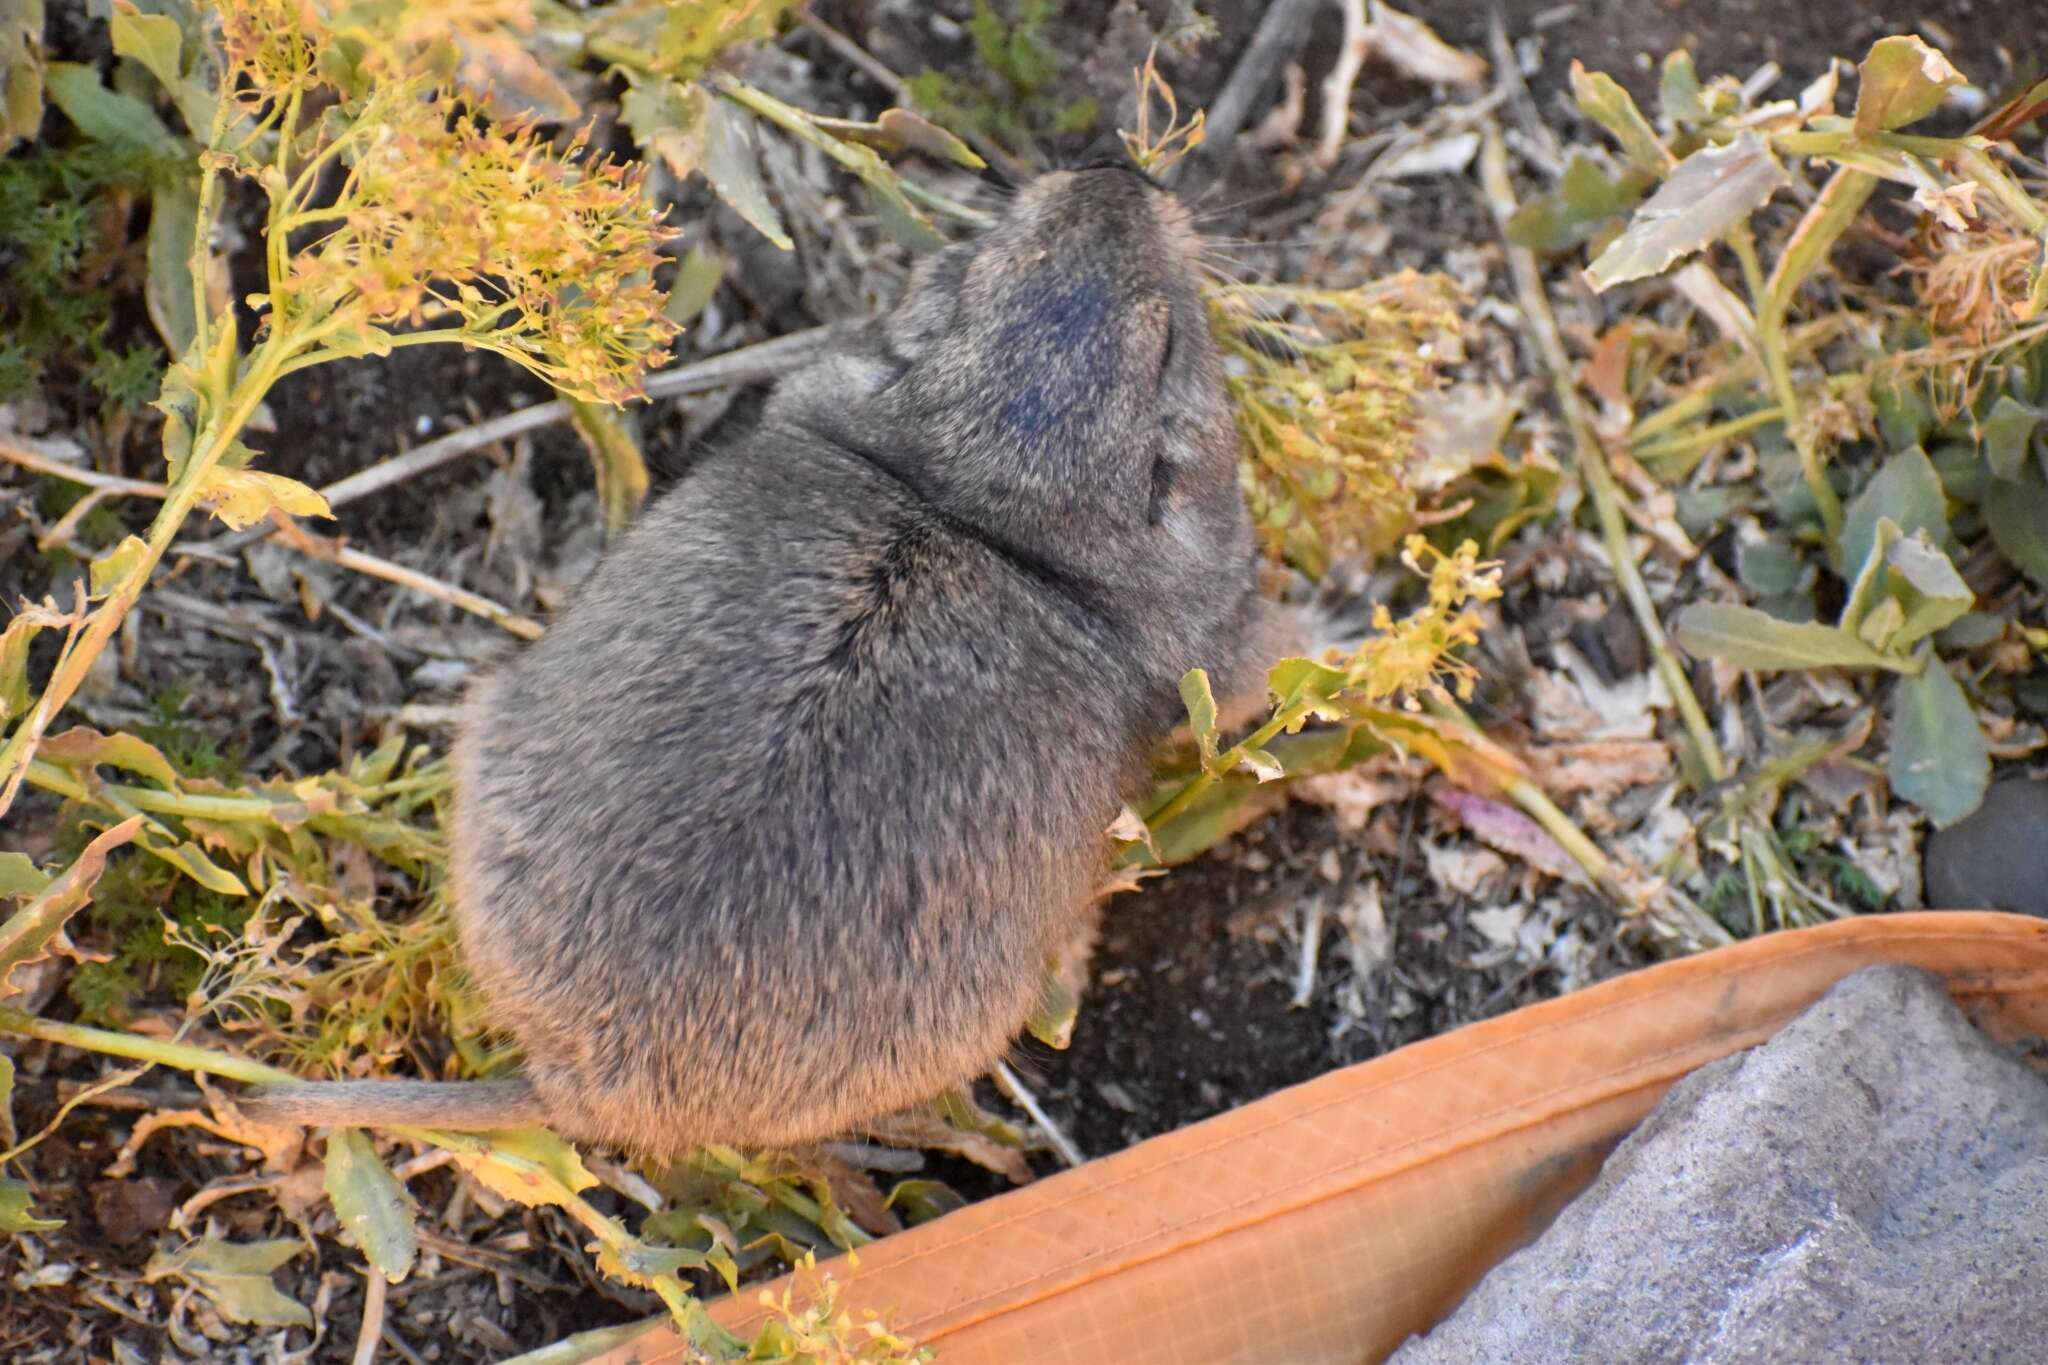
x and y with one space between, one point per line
29 930
244 497
106 115
526 1165
1412 46
497 67
82 746
2008 434
2017 516
1939 761
15 1214
377 1211
1601 99
911 129
116 564
2016 113
1201 705
1748 638
1710 192
236 1277
667 121
733 167
1908 492
1903 79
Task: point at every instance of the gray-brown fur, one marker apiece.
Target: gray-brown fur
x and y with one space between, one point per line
777 827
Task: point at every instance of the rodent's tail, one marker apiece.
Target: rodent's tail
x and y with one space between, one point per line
465 1106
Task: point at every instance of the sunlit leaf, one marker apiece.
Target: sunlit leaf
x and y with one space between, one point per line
1749 638
15 1213
1601 99
114 567
526 1165
193 861
236 1277
244 497
1710 192
377 1211
28 931
19 875
1939 760
1201 707
1903 79
82 746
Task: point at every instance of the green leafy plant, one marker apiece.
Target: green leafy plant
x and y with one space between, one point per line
1785 383
1014 108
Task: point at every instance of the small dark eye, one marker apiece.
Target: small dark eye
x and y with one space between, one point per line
1162 482
1172 353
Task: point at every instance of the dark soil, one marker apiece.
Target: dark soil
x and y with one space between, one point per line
1192 1010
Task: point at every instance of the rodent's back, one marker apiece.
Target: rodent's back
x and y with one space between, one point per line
775 828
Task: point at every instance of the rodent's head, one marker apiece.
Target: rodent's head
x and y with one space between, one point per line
1054 382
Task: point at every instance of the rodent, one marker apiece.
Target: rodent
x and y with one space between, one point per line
778 826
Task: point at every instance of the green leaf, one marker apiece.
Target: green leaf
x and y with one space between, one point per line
733 167
244 497
19 876
152 39
1262 765
2008 431
920 1201
1679 91
1939 760
167 283
667 121
1903 79
697 278
1927 587
1907 490
2016 514
106 115
82 746
1748 638
1602 100
236 1276
14 643
15 1216
1052 1018
377 1211
113 567
1710 192
191 860
1201 705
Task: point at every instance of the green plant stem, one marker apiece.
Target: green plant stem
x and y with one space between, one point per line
204 806
1840 200
1591 458
182 1056
1706 437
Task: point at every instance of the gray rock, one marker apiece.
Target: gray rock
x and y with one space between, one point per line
1995 858
1871 1185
